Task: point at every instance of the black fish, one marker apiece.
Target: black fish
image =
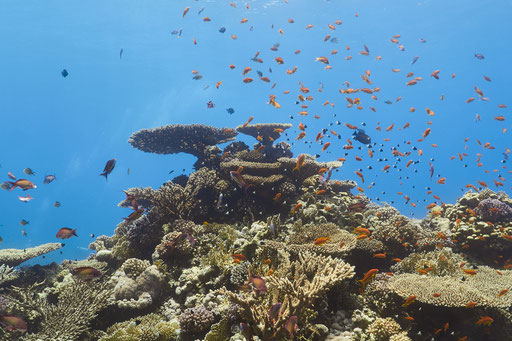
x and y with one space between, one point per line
422 40
259 73
479 56
210 105
230 111
120 53
64 73
222 29
360 135
200 11
334 40
174 32
108 168
415 59
48 179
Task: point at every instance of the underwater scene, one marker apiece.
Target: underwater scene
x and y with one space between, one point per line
255 170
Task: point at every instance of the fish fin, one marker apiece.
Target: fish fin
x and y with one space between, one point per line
105 174
74 233
13 185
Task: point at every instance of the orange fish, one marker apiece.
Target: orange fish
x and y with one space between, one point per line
185 11
485 321
368 276
326 145
321 240
379 255
239 257
470 272
248 80
296 208
409 301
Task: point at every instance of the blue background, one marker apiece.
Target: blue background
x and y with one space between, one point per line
71 126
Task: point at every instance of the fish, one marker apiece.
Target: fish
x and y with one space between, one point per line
210 105
24 222
13 323
86 273
273 312
5 185
219 202
200 11
322 240
368 276
222 29
25 199
415 59
28 171
22 183
121 51
485 321
108 168
136 214
11 176
23 233
197 77
230 111
185 11
246 331
409 301
48 179
291 325
258 283
66 232
361 136
239 257
237 177
273 229
479 56
300 162
64 73
57 204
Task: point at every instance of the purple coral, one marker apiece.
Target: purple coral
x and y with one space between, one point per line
493 210
196 320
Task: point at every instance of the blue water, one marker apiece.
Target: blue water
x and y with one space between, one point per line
71 126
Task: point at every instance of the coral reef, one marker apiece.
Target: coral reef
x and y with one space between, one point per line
14 257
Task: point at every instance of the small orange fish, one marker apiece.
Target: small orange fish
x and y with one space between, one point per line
409 301
239 257
485 321
321 240
368 276
470 272
296 208
326 145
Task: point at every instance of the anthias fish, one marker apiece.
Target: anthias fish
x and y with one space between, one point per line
108 168
66 232
22 183
86 273
48 179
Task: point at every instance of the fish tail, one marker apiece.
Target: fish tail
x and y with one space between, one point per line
74 233
105 174
12 184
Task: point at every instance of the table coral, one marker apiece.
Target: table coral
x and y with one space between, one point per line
14 257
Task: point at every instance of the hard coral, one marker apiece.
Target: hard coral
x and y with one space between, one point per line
493 210
196 320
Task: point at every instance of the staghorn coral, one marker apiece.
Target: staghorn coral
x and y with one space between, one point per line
14 257
313 275
66 316
7 274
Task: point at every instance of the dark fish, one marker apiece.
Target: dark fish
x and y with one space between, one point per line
48 179
479 56
431 170
415 59
222 29
422 40
334 40
134 215
388 102
230 111
246 331
24 222
274 311
174 32
24 233
5 186
200 11
360 135
64 73
66 232
121 52
366 48
108 168
179 34
210 105
28 171
197 77
291 325
259 73
57 204
86 273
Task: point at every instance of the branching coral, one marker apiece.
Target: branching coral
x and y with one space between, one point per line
14 257
313 275
77 304
7 274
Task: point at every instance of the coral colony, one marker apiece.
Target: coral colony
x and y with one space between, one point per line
257 244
